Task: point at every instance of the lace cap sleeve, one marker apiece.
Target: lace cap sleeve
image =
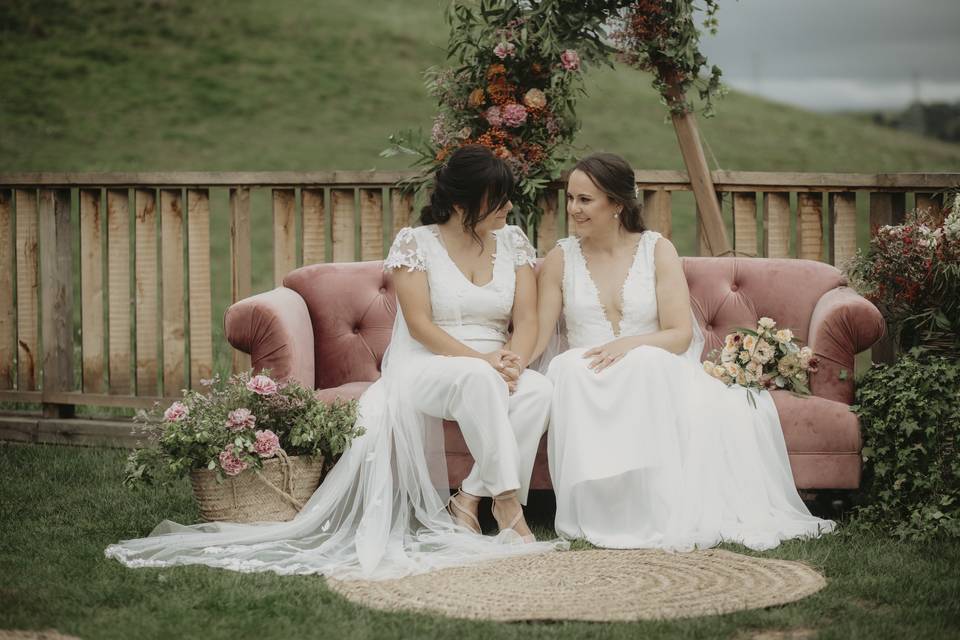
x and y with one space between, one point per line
405 253
523 252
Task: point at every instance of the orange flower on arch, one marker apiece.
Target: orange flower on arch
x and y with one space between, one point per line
496 71
500 91
476 99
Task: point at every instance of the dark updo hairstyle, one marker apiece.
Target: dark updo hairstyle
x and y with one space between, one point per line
472 178
614 176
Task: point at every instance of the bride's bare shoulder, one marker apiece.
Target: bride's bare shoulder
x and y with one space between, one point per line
553 264
665 255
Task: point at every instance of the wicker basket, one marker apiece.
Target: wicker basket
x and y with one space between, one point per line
275 493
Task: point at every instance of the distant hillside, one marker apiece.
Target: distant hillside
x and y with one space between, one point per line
296 84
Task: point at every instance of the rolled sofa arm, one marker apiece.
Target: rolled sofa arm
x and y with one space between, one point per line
274 327
843 324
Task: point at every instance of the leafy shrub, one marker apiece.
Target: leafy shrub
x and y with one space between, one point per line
910 415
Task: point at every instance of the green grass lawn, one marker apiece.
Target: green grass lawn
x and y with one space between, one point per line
62 505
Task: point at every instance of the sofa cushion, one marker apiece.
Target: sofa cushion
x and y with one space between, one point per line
349 391
817 425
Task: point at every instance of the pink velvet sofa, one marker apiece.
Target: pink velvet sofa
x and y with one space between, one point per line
329 324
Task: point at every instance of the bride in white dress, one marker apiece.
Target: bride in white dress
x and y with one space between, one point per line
646 449
381 512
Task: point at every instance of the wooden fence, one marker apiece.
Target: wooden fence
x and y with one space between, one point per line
123 261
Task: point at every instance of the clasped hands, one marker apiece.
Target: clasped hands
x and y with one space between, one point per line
508 364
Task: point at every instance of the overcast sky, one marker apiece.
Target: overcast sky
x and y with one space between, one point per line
840 54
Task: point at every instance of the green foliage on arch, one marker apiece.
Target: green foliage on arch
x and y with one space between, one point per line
517 70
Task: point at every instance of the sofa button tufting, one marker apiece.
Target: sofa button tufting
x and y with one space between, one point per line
383 289
709 327
734 287
356 329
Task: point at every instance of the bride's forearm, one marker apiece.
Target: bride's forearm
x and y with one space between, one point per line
522 342
672 340
439 341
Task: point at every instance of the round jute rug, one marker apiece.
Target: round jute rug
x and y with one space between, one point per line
601 585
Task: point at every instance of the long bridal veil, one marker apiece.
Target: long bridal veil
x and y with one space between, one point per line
379 514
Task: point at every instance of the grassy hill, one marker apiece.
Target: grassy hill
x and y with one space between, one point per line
297 84
129 85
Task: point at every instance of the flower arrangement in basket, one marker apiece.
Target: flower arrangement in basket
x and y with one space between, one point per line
911 271
765 358
254 448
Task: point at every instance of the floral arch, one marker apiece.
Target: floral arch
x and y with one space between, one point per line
517 71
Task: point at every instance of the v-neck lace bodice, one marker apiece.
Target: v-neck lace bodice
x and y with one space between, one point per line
585 317
461 308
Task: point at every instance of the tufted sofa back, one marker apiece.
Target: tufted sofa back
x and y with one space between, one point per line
352 306
727 293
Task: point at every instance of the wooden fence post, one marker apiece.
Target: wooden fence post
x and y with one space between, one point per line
745 223
56 293
240 267
28 285
8 319
886 209
776 224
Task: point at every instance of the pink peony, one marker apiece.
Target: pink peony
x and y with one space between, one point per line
262 385
504 50
232 465
570 60
493 116
267 444
240 419
513 114
176 412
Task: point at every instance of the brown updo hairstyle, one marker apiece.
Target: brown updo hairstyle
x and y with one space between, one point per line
614 176
472 178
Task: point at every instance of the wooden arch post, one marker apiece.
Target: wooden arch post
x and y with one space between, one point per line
711 216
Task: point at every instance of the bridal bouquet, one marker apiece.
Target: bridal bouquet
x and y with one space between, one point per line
232 427
765 358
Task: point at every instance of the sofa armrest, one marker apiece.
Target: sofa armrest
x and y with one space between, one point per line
274 327
843 324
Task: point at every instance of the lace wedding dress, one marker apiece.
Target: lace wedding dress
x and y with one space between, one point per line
653 451
380 512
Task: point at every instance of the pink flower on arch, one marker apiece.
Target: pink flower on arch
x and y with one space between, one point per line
267 443
232 464
262 385
570 60
240 419
513 114
176 412
505 50
493 116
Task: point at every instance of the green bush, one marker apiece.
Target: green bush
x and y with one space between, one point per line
910 416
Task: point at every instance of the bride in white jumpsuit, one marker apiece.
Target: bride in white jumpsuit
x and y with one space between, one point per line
381 512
